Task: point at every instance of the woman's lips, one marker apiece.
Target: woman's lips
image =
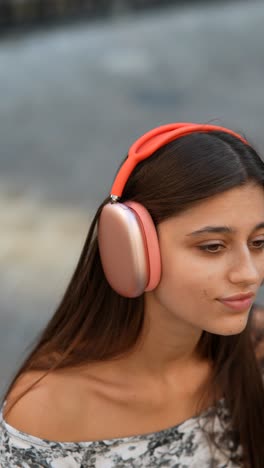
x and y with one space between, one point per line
241 304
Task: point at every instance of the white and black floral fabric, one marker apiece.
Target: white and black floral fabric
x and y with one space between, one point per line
182 446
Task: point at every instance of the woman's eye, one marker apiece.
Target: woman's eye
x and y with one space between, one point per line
212 248
258 244
216 248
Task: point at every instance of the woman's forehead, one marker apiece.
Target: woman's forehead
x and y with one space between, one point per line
238 208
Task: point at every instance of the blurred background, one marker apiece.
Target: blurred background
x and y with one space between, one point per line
80 81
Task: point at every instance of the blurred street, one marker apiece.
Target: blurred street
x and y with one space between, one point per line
73 100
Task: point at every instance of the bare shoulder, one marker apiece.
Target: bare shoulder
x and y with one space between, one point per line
40 410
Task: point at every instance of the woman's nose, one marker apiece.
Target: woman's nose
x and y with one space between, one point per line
244 270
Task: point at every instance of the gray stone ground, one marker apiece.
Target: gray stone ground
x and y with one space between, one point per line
72 101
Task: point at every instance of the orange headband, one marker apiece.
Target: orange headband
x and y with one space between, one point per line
151 141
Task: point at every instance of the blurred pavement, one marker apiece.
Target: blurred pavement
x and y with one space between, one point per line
73 99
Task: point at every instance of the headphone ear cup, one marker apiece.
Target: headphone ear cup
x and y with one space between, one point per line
125 240
152 243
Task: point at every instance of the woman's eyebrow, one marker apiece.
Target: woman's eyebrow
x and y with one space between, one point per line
220 229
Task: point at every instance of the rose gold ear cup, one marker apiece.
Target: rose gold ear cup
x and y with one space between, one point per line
129 248
123 250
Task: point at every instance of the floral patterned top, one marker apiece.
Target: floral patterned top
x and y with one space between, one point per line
182 446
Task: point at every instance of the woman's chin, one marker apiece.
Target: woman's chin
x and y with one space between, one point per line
232 325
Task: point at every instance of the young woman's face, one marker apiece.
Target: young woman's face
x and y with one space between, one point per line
201 269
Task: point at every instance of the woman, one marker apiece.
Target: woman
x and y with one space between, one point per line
149 359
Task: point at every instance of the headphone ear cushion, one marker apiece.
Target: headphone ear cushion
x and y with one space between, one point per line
152 243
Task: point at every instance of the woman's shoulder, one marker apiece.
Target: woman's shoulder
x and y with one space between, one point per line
21 441
29 404
63 405
41 406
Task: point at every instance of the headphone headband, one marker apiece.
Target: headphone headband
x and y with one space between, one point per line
151 141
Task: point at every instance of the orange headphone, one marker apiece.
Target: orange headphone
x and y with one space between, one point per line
127 238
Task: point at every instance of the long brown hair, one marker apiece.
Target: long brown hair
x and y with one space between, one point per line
94 323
